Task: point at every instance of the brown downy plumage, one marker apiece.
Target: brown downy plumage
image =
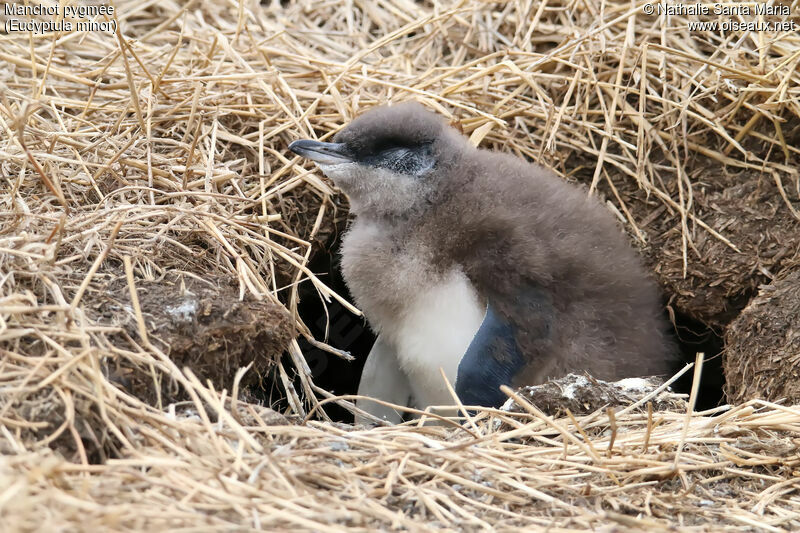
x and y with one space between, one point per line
483 264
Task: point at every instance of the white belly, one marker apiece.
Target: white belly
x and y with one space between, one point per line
433 332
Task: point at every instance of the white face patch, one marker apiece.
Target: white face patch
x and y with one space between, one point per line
376 189
342 174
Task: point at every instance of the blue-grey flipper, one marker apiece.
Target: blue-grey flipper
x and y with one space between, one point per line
491 360
382 378
495 356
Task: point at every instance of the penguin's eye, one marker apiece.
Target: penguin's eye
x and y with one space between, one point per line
411 160
398 158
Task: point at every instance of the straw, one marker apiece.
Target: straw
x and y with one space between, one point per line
156 157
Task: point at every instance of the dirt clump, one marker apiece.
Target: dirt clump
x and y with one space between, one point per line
747 210
583 394
201 324
763 345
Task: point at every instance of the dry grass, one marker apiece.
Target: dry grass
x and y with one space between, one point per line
162 149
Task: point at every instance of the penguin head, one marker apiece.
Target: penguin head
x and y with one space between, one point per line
389 161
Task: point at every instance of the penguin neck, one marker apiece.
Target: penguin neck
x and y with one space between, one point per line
392 215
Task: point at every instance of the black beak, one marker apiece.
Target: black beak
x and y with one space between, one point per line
320 152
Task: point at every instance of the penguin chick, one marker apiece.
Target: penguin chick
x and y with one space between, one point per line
482 264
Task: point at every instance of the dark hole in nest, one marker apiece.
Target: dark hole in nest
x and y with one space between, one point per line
349 332
344 330
694 336
334 324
